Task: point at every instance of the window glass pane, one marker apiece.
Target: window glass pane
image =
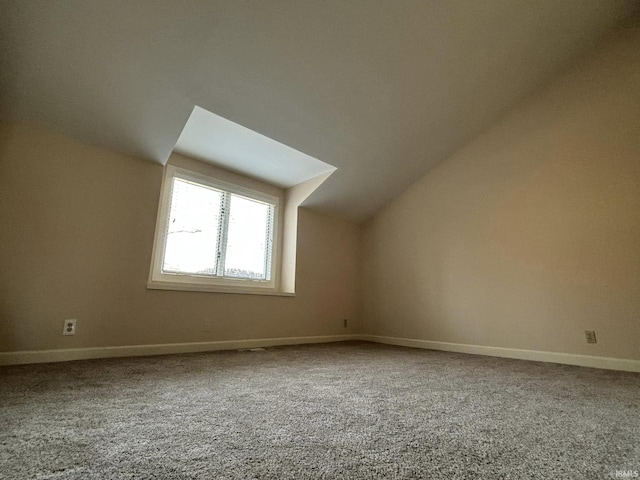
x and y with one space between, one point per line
192 232
248 239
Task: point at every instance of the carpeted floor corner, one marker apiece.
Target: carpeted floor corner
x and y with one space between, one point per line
337 411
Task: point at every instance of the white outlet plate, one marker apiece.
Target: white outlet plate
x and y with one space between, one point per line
69 327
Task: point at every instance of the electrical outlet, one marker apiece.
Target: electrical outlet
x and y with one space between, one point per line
591 336
69 327
345 323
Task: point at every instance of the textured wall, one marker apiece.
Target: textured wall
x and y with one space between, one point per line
75 242
531 233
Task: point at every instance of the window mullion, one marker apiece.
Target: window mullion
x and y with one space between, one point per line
268 244
223 230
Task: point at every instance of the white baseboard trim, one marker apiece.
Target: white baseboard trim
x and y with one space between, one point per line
535 355
65 355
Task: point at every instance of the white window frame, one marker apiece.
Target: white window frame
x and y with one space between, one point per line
179 281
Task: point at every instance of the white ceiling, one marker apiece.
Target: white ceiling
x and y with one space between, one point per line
213 139
382 89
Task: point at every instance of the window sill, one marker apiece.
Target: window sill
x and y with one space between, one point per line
217 289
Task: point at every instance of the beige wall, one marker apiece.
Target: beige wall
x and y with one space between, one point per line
523 239
531 233
77 226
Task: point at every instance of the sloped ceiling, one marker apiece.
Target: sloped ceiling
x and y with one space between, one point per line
381 89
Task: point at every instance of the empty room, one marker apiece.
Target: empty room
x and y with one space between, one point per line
331 239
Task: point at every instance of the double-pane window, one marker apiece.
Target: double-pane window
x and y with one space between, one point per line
211 231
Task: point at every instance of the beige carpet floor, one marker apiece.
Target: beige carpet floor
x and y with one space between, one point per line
337 411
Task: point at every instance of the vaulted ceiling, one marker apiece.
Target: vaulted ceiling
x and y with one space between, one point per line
381 89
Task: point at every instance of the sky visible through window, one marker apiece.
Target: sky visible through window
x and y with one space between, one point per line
247 238
195 220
